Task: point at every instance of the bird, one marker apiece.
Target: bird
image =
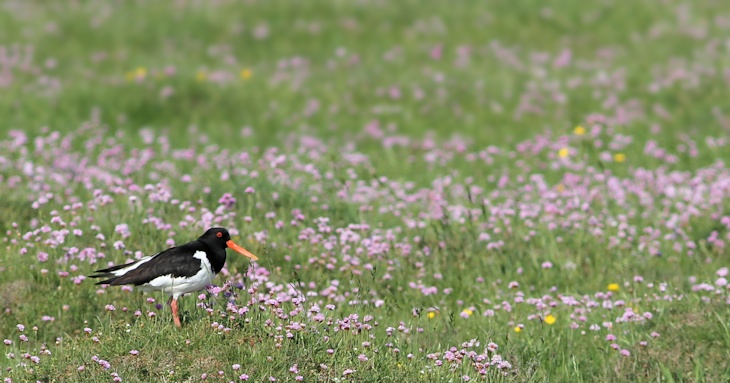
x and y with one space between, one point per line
178 270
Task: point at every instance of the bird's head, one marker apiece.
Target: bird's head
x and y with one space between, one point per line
219 237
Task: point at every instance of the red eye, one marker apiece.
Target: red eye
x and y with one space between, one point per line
218 234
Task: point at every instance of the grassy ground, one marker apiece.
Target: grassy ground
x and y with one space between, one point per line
468 191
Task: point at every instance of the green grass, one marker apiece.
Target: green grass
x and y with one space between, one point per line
352 54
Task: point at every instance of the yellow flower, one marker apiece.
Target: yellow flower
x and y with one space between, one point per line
564 152
468 312
518 329
431 315
246 73
560 188
550 319
619 157
579 130
613 287
140 72
201 76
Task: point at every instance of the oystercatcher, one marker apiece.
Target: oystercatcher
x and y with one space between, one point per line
178 270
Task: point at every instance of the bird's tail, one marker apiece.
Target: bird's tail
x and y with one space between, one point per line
109 281
112 273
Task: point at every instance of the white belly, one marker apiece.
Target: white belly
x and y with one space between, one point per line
177 286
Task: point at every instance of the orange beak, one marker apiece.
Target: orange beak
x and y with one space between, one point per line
233 246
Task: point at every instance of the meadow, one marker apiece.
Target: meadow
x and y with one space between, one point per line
500 191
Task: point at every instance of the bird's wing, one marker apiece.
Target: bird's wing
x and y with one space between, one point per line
177 261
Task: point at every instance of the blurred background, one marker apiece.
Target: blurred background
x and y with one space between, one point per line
251 72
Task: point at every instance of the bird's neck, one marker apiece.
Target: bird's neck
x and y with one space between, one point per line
216 256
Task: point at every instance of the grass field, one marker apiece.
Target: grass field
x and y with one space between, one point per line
437 191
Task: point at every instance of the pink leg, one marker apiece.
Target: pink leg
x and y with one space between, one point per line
175 317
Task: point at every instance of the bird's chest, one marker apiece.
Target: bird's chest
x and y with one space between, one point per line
193 277
204 275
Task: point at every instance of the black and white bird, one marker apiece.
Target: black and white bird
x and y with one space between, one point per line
178 270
